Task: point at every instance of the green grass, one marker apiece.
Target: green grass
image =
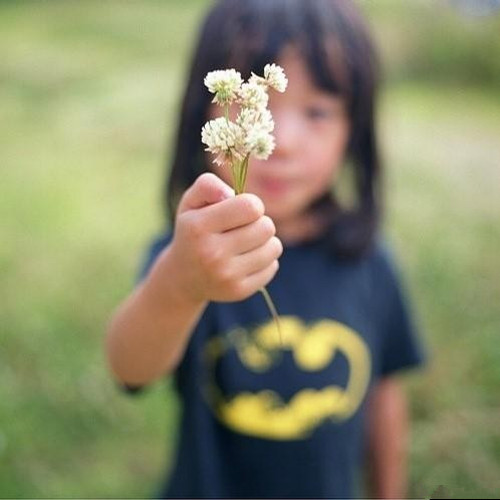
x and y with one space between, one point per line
88 99
442 147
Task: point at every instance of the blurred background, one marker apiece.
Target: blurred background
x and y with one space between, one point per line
89 92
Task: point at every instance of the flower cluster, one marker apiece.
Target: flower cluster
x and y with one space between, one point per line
233 142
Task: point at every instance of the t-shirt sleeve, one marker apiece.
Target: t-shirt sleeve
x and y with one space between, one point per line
151 254
401 344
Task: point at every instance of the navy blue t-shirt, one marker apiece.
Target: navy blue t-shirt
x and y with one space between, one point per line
264 416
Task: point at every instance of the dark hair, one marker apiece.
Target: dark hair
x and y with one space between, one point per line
336 46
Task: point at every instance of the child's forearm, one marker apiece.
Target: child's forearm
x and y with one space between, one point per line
224 249
148 333
388 436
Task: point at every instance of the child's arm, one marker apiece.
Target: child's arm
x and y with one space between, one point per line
224 249
388 435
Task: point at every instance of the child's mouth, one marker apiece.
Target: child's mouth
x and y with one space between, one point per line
274 187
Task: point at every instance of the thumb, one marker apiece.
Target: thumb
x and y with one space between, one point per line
206 190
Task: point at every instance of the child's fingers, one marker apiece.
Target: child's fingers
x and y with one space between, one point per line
254 261
206 190
232 213
258 280
246 238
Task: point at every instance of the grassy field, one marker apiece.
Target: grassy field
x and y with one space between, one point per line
88 99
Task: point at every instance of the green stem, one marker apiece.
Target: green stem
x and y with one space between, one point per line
235 172
274 313
240 176
244 170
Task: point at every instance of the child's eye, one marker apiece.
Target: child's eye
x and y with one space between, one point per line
319 113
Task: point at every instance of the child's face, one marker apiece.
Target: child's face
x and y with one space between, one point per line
311 132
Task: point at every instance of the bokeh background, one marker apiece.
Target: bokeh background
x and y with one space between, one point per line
89 92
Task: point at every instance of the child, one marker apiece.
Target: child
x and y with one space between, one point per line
264 417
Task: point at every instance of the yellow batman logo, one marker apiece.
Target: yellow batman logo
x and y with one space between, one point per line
313 347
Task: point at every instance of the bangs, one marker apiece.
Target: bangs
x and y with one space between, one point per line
266 29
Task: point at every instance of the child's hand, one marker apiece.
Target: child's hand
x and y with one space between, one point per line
224 246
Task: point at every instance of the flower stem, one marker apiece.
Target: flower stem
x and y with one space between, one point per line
274 313
239 172
235 172
244 170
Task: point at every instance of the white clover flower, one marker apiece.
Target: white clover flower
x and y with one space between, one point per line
247 118
225 84
253 95
275 77
266 121
257 80
250 118
256 126
260 143
220 135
